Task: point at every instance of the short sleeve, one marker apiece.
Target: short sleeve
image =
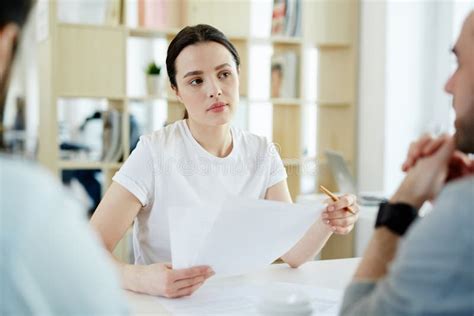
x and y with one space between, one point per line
277 170
137 173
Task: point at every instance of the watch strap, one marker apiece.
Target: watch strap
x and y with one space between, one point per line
397 217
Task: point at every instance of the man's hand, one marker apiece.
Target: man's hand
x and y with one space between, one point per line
459 166
427 173
426 176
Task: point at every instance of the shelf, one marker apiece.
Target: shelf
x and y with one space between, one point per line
167 33
151 33
238 38
146 98
119 98
280 101
122 98
285 40
334 103
164 33
155 33
333 45
88 165
300 102
287 101
276 40
288 162
91 26
90 96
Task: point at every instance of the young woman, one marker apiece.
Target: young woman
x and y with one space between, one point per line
200 158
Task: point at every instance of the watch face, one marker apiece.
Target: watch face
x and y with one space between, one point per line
396 217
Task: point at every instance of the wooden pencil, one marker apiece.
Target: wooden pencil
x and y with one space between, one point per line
334 197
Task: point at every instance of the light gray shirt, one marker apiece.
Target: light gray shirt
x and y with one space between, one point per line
433 271
51 262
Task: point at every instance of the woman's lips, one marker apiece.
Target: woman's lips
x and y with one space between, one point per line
217 107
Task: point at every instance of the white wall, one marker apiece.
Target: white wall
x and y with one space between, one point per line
404 62
371 95
405 80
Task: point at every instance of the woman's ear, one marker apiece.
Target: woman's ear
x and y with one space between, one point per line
176 92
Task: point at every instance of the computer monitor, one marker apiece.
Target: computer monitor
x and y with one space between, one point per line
345 181
340 171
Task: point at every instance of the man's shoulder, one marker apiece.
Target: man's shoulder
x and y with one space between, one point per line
452 215
13 167
27 177
463 188
459 195
32 193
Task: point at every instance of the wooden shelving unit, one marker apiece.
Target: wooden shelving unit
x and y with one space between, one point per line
336 25
87 165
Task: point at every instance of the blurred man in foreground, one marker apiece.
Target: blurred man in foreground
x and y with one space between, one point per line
50 260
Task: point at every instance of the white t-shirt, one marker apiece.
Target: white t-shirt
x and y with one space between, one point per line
169 168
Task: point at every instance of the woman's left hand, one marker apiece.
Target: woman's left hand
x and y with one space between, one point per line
337 217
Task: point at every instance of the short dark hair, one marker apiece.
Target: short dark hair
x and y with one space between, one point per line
14 11
191 35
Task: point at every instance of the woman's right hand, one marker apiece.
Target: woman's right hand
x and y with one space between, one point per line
161 280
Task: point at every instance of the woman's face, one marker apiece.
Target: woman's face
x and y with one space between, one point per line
208 83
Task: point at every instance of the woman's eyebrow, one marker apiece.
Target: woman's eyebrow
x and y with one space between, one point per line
199 72
193 73
222 66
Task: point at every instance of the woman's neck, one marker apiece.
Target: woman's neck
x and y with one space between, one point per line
217 140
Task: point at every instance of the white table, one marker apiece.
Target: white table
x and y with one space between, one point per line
334 274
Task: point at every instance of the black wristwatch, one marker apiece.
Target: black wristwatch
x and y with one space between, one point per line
396 216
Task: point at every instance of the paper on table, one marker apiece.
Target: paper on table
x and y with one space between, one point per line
239 236
242 299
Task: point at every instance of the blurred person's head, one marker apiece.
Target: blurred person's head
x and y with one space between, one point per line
13 15
203 69
461 86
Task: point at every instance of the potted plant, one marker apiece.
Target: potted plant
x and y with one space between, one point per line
153 79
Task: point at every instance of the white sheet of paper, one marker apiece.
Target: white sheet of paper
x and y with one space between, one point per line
243 299
189 227
239 236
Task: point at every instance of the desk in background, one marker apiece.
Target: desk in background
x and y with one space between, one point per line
333 274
